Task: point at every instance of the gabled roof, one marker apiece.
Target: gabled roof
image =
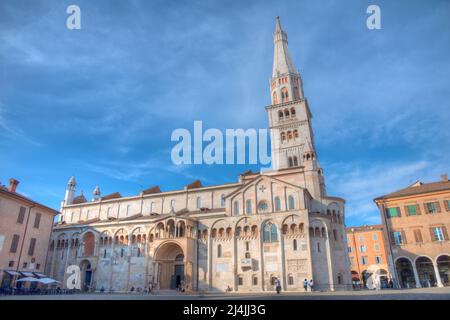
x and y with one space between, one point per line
152 190
418 188
194 185
114 195
79 199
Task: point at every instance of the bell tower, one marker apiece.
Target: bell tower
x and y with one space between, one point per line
292 138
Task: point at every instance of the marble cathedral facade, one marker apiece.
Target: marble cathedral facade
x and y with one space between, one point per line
273 224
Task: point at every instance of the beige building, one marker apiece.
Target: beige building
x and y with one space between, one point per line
417 219
242 235
25 228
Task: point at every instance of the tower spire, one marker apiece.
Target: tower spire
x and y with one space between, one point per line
282 62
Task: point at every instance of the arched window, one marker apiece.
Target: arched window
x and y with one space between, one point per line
270 233
277 204
290 280
275 98
222 200
283 136
286 112
293 112
289 135
284 94
236 208
291 202
238 231
248 206
294 244
219 251
199 202
295 161
295 134
172 205
280 115
152 207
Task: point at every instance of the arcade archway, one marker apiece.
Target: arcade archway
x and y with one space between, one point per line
169 266
405 273
86 275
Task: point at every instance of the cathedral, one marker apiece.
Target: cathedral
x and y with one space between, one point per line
241 236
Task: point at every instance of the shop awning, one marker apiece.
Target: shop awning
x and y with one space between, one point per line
47 281
28 274
12 273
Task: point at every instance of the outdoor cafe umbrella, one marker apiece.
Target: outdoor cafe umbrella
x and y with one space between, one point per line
47 281
27 279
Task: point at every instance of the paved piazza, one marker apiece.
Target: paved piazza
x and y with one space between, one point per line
409 294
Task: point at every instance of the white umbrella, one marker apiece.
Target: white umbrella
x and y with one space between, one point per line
27 279
47 281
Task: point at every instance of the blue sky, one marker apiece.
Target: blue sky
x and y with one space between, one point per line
100 103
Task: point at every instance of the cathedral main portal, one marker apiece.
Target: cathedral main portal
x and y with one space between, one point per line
169 266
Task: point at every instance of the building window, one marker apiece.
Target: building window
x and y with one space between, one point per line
277 204
247 246
432 207
32 246
375 237
38 266
240 281
37 220
362 248
349 249
447 205
418 236
172 205
122 251
269 233
222 200
393 212
291 202
398 239
364 261
335 235
361 238
25 265
412 210
236 208
440 233
262 205
14 243
339 279
290 280
377 259
318 246
255 280
21 215
219 251
104 253
294 244
11 263
199 203
248 206
376 247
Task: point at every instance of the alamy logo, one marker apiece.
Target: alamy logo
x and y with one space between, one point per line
230 149
74 280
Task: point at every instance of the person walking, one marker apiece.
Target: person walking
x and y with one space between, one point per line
277 285
305 285
311 285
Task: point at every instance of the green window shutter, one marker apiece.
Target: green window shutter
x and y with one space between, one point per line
393 212
411 210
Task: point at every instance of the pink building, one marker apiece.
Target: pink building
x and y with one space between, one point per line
25 228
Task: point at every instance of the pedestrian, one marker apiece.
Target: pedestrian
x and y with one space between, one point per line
305 285
150 287
391 283
277 285
311 285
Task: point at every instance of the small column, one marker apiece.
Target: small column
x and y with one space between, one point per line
416 277
438 276
111 264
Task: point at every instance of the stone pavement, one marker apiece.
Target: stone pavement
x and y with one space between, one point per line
388 294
